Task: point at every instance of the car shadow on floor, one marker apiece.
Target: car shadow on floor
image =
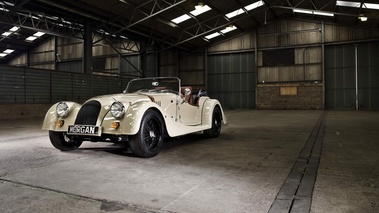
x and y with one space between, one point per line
123 149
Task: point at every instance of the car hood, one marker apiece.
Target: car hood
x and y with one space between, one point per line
130 98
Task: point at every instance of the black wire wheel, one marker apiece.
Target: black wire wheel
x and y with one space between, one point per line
62 142
149 139
215 130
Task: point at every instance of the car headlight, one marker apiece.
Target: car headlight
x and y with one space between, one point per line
117 109
62 109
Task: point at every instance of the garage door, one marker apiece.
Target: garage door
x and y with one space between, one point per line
231 79
340 76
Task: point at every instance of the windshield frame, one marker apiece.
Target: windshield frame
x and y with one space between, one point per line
154 84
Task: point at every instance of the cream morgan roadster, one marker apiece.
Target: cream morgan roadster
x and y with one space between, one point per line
149 110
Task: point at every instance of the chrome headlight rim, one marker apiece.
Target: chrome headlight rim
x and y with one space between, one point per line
117 109
62 109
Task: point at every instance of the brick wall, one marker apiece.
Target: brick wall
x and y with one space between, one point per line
290 96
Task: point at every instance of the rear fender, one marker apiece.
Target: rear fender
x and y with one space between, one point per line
208 108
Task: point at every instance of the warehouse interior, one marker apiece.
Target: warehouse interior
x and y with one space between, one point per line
285 71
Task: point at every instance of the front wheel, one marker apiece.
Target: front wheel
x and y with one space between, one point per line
149 139
62 142
215 130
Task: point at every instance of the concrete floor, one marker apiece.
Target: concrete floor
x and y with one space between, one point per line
241 171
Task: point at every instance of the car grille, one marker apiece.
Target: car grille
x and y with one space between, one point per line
88 113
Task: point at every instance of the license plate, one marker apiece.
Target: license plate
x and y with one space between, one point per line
83 130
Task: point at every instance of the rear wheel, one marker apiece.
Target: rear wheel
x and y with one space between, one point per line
149 139
62 142
215 130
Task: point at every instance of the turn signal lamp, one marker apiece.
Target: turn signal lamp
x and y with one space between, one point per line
115 125
60 123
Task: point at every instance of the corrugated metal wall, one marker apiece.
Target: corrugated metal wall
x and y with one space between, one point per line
340 72
368 75
231 79
340 77
24 85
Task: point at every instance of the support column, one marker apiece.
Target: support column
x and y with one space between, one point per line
87 55
143 58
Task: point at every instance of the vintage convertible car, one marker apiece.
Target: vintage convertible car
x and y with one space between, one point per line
149 110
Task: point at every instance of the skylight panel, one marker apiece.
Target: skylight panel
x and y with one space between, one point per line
254 5
6 33
348 4
31 38
8 51
235 13
224 31
248 8
181 18
199 10
228 29
38 34
14 29
212 35
357 5
372 6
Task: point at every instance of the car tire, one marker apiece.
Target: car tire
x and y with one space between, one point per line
215 130
148 141
62 142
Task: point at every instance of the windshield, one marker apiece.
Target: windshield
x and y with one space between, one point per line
160 84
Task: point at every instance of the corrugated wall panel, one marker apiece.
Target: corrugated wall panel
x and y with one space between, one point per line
231 79
368 75
340 87
151 69
340 77
62 86
37 86
12 85
81 87
129 65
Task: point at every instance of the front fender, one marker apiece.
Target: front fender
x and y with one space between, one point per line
134 114
52 117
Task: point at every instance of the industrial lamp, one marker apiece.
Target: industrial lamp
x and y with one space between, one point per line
199 5
362 17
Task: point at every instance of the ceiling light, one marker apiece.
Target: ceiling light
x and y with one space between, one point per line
323 13
31 38
304 11
8 51
38 34
3 55
362 17
199 5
